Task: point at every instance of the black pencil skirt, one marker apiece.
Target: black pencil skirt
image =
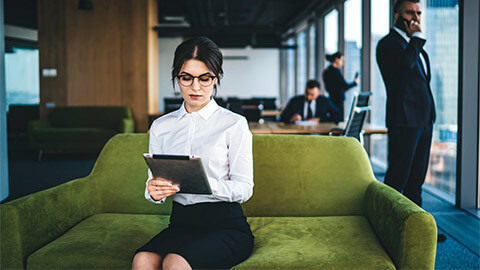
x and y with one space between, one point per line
207 235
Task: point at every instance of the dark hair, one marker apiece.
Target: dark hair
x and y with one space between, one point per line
399 3
332 57
312 84
202 49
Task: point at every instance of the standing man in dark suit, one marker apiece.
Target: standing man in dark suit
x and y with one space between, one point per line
406 72
310 107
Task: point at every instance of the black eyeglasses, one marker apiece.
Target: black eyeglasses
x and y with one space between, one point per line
205 80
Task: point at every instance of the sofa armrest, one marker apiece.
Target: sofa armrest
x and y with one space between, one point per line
407 232
127 125
31 222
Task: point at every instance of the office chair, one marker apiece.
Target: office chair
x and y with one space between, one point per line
246 107
172 103
358 113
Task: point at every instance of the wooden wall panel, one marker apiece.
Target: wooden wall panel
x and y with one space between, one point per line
52 52
104 56
94 53
153 60
134 61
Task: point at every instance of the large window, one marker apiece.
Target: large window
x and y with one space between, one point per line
353 48
22 76
290 69
441 26
380 27
312 37
301 61
331 33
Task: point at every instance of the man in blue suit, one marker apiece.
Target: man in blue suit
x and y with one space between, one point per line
406 72
310 107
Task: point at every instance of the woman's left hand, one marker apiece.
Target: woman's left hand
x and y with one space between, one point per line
160 188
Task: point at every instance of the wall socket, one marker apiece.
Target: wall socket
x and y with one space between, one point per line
49 72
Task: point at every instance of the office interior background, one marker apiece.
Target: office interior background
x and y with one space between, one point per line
271 48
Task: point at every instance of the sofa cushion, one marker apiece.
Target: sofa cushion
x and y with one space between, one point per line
308 176
108 241
73 135
342 242
103 241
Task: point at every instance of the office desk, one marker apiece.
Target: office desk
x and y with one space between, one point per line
271 113
320 128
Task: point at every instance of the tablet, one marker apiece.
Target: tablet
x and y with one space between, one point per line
186 171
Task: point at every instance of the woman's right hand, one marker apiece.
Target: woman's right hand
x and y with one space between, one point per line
160 188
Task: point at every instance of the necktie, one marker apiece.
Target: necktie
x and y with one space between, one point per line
309 111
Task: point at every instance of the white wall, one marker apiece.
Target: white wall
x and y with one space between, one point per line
3 110
166 48
247 72
250 73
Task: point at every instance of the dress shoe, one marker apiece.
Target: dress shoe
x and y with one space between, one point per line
441 237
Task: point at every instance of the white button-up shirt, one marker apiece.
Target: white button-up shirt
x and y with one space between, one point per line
220 138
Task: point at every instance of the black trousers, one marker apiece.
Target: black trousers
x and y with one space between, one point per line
408 157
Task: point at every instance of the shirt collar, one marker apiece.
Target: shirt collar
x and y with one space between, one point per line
204 112
402 33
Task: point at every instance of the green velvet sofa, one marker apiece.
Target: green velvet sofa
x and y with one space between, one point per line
316 205
79 128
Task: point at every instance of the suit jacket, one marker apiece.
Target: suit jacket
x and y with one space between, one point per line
325 110
336 85
409 97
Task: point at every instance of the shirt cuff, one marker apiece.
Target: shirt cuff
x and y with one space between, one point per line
419 35
150 199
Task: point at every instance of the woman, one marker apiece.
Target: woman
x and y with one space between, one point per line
335 83
205 231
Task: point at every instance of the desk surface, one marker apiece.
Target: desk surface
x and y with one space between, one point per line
320 128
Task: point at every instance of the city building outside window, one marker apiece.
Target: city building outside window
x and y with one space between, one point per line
312 35
331 33
440 22
380 10
290 69
353 48
301 61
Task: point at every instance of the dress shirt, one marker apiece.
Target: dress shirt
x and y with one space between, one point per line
418 35
220 138
313 106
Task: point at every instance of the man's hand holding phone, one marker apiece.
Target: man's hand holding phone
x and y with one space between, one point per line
409 27
412 28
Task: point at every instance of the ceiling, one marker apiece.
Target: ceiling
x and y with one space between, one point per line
233 23
230 23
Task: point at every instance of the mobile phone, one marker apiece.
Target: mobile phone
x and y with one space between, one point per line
400 23
356 75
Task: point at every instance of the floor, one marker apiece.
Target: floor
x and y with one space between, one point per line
28 175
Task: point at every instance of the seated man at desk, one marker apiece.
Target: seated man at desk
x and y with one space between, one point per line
310 107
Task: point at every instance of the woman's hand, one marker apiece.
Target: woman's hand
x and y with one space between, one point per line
160 188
